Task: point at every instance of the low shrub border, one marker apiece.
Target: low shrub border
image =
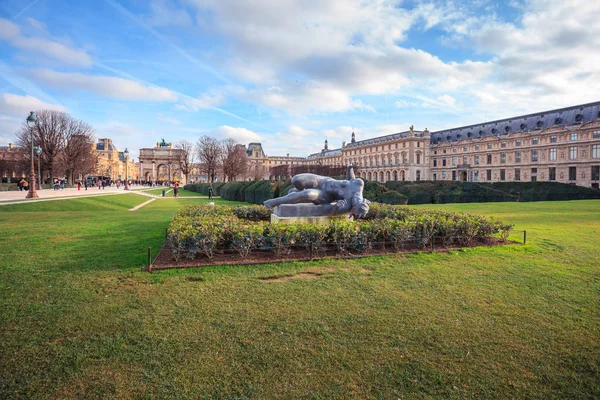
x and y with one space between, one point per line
201 235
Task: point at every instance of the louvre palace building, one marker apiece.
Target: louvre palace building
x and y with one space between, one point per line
560 145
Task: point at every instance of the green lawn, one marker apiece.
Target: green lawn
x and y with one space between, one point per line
79 319
182 192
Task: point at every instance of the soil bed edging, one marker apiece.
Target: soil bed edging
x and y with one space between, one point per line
165 259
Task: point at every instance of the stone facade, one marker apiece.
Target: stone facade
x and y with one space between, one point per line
160 163
113 163
560 145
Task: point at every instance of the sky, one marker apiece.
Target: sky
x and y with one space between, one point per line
292 73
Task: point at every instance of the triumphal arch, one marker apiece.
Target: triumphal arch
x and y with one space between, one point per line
161 163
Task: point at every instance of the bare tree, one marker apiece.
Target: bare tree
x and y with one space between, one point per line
209 150
48 134
78 155
185 158
66 143
234 159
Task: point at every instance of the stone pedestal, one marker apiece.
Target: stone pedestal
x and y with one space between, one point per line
309 213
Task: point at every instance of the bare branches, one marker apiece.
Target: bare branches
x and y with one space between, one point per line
66 143
234 159
209 150
186 157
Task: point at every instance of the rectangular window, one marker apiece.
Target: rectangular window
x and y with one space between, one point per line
596 150
553 154
443 162
573 136
534 140
573 153
476 160
517 156
443 175
418 158
596 135
418 144
572 173
454 149
476 176
503 145
404 145
477 146
465 160
465 149
517 174
534 155
489 146
489 159
552 139
533 178
518 143
435 162
533 171
488 174
502 174
552 174
595 172
454 161
502 158
435 176
453 175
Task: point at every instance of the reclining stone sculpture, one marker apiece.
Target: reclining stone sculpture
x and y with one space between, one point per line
334 196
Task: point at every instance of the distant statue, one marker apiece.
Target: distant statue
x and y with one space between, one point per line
346 196
163 143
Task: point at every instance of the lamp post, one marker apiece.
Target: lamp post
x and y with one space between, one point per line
126 153
32 122
38 150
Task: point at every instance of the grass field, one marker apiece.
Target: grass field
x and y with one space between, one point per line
79 319
182 193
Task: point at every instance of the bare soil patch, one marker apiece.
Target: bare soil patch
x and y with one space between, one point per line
166 258
303 275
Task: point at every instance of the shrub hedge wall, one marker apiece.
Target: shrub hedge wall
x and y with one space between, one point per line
202 230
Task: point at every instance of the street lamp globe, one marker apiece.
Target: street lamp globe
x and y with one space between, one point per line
32 119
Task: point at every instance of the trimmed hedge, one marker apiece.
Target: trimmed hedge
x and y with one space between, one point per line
426 192
203 230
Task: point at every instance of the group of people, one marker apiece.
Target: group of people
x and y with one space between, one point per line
23 185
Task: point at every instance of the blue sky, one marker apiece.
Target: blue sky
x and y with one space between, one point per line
292 73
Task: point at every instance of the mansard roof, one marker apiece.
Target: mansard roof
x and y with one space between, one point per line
380 139
327 153
252 146
574 115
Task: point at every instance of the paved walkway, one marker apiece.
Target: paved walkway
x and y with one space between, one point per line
16 197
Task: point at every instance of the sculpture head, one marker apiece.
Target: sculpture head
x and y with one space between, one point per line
360 207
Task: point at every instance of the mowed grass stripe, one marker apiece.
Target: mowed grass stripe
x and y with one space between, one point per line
82 320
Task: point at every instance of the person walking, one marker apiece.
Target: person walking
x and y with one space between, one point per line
175 189
85 184
78 185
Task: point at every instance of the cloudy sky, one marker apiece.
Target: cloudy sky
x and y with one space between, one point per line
290 73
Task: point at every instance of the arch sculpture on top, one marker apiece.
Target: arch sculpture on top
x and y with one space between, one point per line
334 197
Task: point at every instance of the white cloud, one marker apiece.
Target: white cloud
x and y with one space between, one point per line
109 86
164 14
202 102
164 118
8 29
242 135
306 98
42 46
19 106
53 50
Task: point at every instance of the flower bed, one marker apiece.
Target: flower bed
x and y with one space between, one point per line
203 234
